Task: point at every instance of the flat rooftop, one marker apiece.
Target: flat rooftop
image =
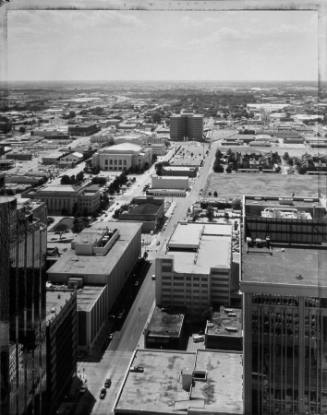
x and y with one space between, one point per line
227 322
223 390
55 301
198 247
289 268
165 323
159 388
178 168
88 296
147 208
298 203
72 264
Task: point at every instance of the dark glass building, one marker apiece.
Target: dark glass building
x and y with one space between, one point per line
22 308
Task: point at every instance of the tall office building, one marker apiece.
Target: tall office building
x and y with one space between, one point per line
186 126
22 309
283 271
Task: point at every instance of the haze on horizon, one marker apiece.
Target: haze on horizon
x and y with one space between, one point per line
162 46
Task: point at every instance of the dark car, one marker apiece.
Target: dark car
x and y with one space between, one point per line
107 383
103 393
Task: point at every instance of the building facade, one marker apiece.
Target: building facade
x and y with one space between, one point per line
123 156
68 199
148 210
283 269
104 254
195 272
186 126
22 312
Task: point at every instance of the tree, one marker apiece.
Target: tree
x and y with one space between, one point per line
80 177
65 179
215 194
61 228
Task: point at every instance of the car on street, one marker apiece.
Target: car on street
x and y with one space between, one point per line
137 369
111 335
153 277
107 383
103 393
82 389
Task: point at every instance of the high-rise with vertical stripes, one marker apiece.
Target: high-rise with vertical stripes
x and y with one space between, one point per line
283 279
22 308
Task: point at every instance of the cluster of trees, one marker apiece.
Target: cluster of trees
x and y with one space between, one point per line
74 180
236 160
101 181
305 163
117 183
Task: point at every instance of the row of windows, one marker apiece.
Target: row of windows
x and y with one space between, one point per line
115 162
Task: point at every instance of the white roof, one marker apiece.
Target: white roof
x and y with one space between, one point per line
122 148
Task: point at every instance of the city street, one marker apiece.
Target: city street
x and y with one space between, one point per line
116 359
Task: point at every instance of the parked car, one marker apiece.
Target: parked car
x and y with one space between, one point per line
103 393
82 389
153 277
107 383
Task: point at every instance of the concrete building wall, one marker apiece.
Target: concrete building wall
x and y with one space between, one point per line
92 321
195 292
123 268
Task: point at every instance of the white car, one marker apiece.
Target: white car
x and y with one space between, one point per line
153 276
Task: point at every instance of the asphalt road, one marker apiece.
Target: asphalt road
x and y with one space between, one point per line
116 359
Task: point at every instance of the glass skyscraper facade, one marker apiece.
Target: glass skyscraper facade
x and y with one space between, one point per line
22 308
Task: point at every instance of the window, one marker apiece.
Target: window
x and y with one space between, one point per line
115 162
106 162
124 162
120 162
110 161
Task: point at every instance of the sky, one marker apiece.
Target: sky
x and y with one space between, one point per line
162 45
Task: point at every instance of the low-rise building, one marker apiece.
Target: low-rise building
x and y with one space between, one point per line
68 199
179 171
203 383
61 343
148 210
195 271
19 155
83 129
165 329
224 330
104 254
123 156
169 182
71 159
52 158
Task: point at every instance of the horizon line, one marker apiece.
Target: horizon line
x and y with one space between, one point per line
160 80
